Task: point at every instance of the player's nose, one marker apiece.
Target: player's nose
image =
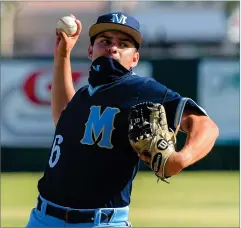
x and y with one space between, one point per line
112 49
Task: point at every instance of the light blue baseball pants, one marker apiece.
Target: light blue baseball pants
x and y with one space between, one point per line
39 218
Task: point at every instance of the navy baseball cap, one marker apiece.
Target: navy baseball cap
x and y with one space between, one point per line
117 21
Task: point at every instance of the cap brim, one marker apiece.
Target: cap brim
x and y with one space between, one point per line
103 27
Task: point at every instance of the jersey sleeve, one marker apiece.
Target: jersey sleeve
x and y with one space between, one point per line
173 102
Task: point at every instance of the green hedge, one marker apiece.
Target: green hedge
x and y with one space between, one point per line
25 159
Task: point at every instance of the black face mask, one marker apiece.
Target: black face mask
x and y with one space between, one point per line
105 70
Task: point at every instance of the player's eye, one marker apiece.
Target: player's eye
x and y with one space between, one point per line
105 41
123 44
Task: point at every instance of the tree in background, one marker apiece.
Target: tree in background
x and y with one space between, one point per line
7 19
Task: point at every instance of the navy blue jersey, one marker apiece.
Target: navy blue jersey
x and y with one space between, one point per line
91 162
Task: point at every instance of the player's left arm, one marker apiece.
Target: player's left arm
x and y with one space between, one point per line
202 133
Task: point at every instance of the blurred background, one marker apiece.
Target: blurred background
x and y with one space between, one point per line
189 46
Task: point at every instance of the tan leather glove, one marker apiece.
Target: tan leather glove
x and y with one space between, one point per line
149 134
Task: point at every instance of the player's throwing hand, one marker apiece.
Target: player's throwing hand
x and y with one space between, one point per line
64 43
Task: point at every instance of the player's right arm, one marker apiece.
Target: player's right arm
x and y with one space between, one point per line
62 89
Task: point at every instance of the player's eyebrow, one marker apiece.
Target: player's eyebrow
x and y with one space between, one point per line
103 36
126 39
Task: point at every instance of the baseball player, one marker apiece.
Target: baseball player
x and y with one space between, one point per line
103 129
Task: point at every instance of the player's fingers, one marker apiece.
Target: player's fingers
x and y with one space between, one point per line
79 27
57 33
58 38
63 35
57 41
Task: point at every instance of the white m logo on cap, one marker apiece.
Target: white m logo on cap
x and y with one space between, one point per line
116 19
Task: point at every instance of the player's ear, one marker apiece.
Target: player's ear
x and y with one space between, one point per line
135 60
90 51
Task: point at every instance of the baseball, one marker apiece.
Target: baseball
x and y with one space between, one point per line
67 24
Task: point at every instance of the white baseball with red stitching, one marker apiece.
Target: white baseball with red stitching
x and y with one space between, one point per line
67 24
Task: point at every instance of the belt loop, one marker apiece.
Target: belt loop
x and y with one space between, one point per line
113 215
67 216
97 217
43 206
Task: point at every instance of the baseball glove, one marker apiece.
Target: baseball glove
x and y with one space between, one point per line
149 135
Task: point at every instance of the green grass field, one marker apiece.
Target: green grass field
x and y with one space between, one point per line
193 199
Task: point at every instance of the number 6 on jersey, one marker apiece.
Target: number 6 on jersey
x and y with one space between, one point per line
55 150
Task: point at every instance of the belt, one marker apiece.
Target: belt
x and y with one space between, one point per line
72 216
